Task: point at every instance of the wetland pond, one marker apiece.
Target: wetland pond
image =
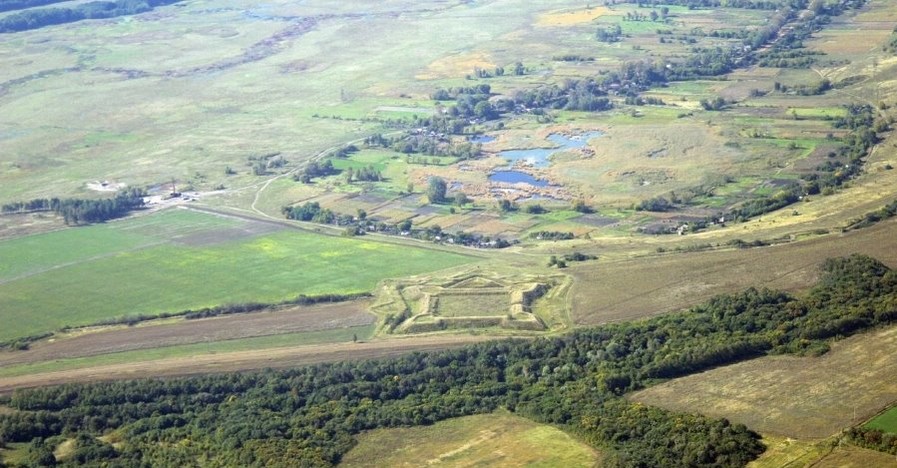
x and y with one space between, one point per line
538 158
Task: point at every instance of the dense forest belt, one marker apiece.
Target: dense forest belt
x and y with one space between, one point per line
308 416
40 17
12 5
113 340
239 361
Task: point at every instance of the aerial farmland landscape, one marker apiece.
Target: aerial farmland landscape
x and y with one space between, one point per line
628 233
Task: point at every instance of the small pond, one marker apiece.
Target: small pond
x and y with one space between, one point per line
482 139
539 157
517 177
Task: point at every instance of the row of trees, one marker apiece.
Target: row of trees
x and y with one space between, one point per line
428 142
12 5
308 416
83 211
38 18
361 224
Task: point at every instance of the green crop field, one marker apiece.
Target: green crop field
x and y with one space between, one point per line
886 422
498 439
128 268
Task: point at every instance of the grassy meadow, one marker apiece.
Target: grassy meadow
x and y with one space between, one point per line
177 260
886 422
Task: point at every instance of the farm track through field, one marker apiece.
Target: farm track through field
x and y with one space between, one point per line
85 342
240 361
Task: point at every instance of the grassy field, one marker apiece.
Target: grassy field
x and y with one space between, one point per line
176 260
803 398
629 283
790 453
159 71
285 355
855 457
886 421
189 90
338 335
499 439
462 305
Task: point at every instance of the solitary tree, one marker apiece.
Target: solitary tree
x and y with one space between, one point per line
436 190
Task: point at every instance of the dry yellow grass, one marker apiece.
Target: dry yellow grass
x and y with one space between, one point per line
609 291
804 398
498 439
790 453
456 66
783 452
572 17
855 457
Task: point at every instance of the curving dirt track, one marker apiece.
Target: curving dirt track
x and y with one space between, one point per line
240 361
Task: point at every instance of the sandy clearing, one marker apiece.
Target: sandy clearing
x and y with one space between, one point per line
83 343
240 361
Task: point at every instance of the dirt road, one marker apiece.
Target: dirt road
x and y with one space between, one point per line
152 335
240 361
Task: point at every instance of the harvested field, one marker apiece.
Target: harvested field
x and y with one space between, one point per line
239 361
791 453
804 398
636 288
82 343
784 452
498 439
855 457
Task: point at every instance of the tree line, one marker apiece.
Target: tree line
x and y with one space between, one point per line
360 224
83 211
309 416
12 5
39 18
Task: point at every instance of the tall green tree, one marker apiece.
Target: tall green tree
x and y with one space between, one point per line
436 188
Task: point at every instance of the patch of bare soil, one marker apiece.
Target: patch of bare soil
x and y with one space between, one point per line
229 327
240 361
19 225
